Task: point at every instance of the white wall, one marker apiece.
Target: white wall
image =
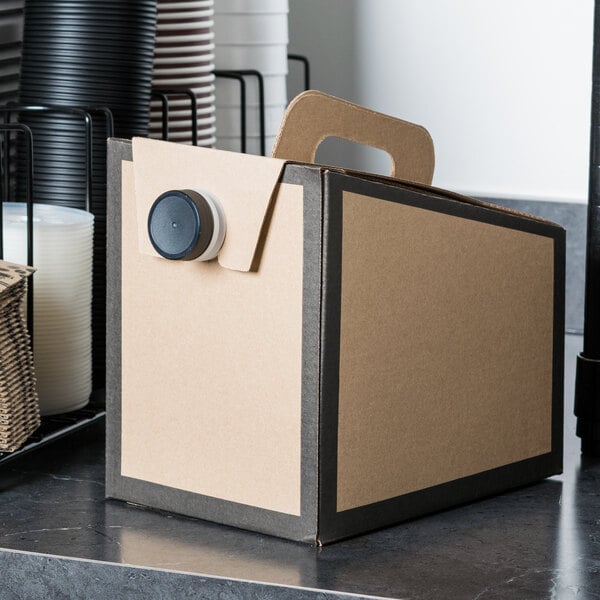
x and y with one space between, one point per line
502 85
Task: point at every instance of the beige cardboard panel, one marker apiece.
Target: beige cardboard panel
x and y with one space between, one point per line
242 182
211 368
455 318
313 116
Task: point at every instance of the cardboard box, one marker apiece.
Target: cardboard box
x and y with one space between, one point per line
363 351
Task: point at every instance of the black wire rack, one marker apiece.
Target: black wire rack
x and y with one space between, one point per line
163 95
52 427
241 76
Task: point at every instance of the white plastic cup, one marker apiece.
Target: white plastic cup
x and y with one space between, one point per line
61 301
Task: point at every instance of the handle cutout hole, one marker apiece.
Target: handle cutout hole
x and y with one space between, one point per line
339 152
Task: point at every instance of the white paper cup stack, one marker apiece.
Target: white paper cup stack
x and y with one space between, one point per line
184 58
251 34
62 300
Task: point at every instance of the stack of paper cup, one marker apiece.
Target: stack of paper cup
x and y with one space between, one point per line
62 299
250 34
184 58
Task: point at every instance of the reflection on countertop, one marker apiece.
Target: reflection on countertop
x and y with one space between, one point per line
542 541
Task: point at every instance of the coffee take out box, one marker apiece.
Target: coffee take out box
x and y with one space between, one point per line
362 350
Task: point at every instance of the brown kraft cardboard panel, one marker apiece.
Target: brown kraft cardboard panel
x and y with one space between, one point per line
211 369
313 116
454 318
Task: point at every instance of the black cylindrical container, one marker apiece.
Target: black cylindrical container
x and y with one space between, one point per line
85 53
587 381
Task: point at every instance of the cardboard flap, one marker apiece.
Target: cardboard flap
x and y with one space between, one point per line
313 116
243 183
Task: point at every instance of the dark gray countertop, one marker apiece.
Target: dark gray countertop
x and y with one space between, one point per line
542 541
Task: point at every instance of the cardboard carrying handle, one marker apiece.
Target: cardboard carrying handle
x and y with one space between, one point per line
313 116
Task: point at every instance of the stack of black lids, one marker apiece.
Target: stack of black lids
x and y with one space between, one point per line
11 33
85 54
11 25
